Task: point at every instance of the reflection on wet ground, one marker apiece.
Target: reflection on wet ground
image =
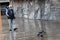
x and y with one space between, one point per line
28 30
1 36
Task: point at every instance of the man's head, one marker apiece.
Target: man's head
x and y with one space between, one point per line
10 6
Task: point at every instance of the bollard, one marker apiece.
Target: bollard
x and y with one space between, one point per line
1 36
0 21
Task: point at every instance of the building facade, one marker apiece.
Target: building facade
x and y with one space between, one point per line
36 9
29 8
4 0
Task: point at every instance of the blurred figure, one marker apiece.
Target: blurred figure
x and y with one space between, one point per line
11 18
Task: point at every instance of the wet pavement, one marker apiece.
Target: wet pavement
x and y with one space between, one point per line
28 30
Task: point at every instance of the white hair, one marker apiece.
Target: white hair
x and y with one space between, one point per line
10 6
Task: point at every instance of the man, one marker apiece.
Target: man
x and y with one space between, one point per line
11 17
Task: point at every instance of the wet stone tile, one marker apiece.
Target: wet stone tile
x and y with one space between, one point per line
28 30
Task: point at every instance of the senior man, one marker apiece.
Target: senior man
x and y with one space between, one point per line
11 18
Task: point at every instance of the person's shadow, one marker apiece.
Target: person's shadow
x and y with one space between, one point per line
41 34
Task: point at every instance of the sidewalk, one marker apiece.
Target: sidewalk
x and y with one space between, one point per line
28 29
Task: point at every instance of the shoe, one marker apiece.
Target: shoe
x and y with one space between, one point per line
15 29
10 30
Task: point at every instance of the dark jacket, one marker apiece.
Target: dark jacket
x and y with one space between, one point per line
11 14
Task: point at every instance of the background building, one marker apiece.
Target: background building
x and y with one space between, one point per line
36 9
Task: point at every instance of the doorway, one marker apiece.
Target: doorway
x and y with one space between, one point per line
3 6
